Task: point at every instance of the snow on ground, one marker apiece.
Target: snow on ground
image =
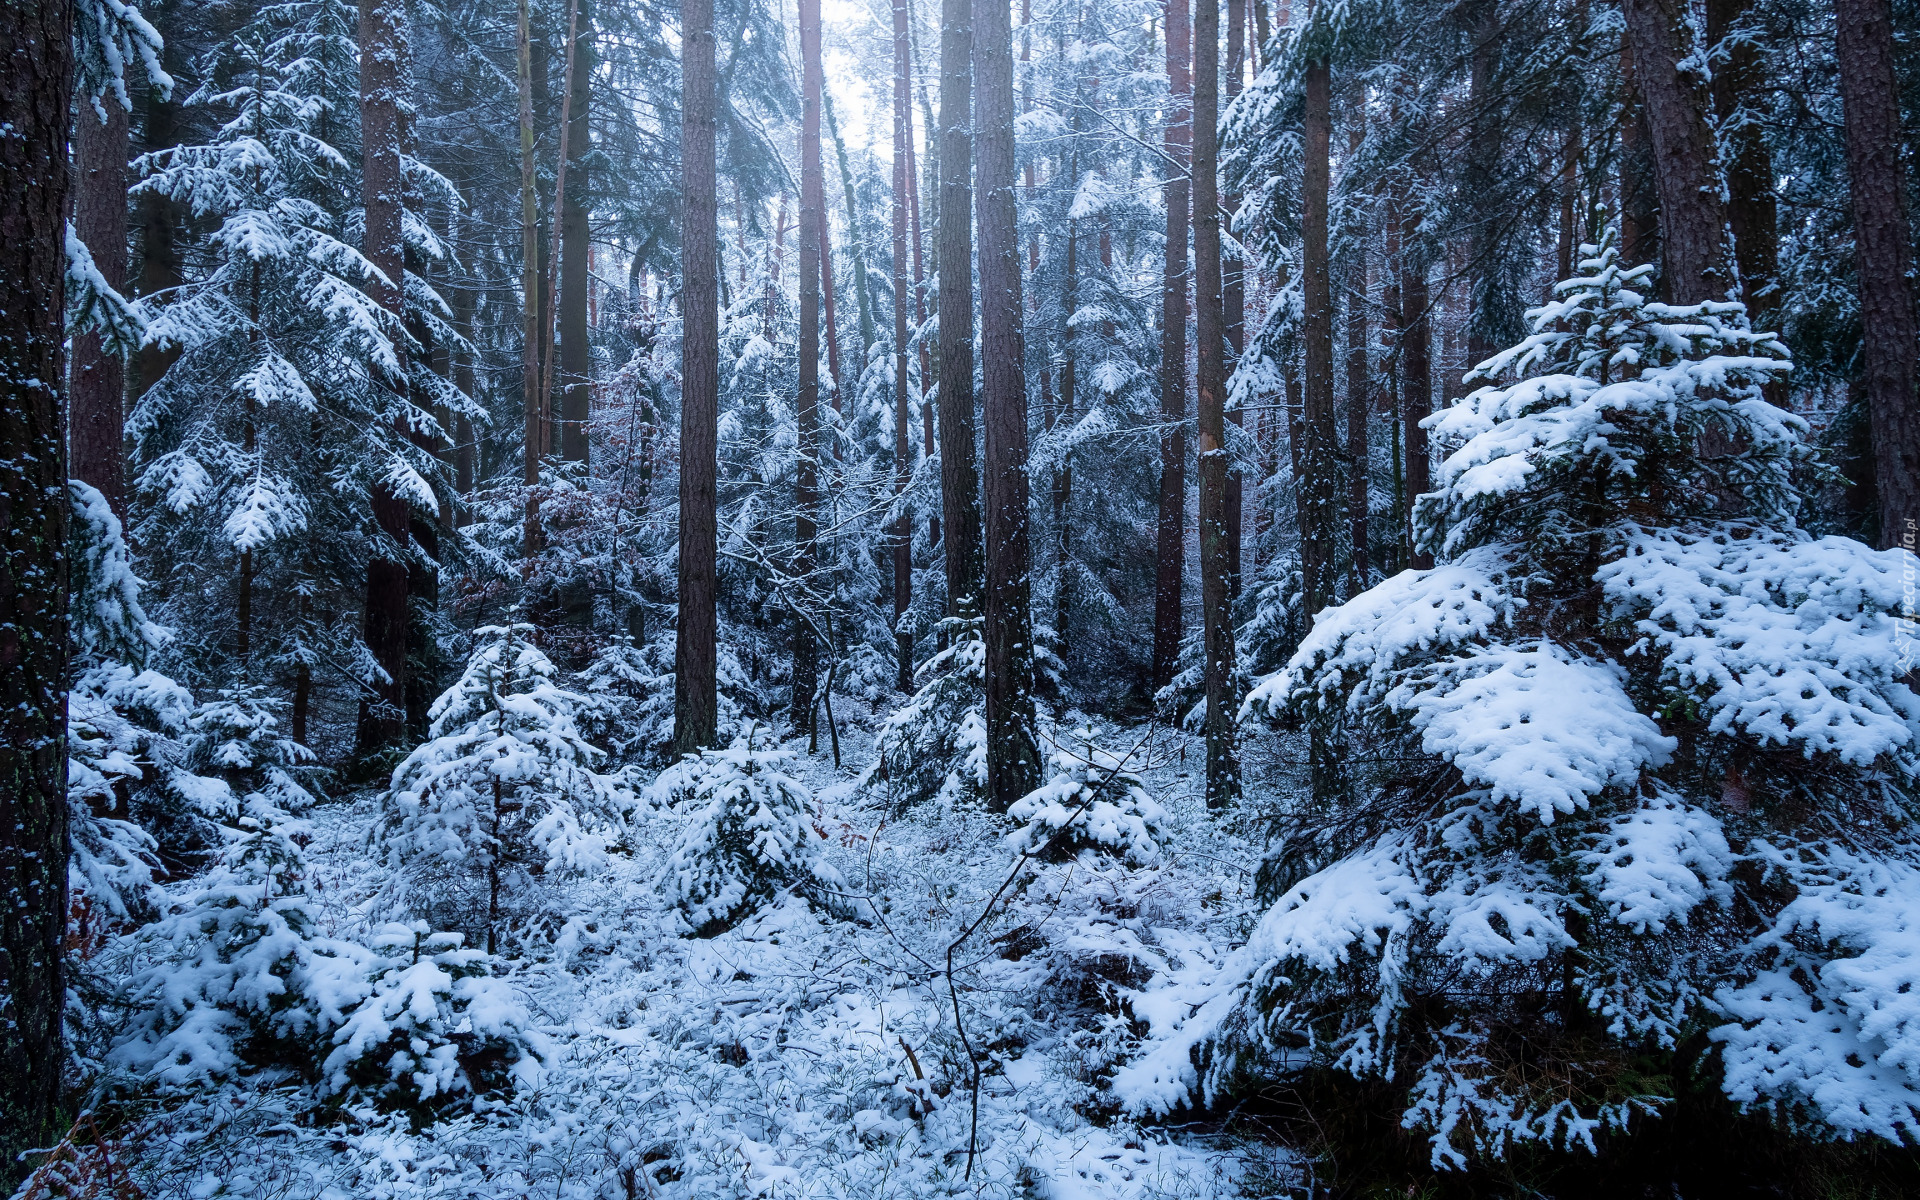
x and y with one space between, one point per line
803 1054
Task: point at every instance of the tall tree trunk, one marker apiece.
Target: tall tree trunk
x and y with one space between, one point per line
1233 294
1319 479
831 335
1483 152
696 703
1063 419
856 240
806 491
532 410
99 374
1210 332
1013 762
959 477
902 451
1639 206
1739 77
1416 378
1569 195
1359 397
927 436
1693 216
1170 548
576 275
1883 254
159 226
383 81
36 93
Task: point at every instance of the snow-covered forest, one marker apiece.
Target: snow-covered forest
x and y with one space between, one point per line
1011 598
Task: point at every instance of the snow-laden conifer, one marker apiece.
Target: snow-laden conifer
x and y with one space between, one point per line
1091 802
750 835
1646 768
935 745
503 794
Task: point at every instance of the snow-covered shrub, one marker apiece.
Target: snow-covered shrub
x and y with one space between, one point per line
935 745
750 835
626 699
435 1026
1645 768
1092 802
238 975
503 795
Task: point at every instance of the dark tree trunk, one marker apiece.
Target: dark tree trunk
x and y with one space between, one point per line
696 704
1359 403
159 253
856 243
1210 332
99 374
1013 764
959 477
1233 294
383 80
576 358
1416 378
1483 152
806 489
532 410
902 461
1639 207
1738 78
1170 548
1686 171
1319 449
831 334
1063 419
1569 195
36 92
1883 253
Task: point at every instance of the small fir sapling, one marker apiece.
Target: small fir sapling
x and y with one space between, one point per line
750 834
1092 803
436 1027
503 795
935 745
1640 764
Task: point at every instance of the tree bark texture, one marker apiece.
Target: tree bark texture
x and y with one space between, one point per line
902 451
1210 372
1883 255
1359 404
696 703
36 91
1170 548
1740 78
576 279
1319 449
1639 204
1416 378
97 431
1686 163
1013 762
1233 294
959 475
806 488
383 76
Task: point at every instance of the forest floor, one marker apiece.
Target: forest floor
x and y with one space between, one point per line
806 1053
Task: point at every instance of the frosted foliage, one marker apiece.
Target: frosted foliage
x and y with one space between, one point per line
935 745
1830 1021
1795 642
505 787
1538 727
109 624
1594 746
1091 802
748 836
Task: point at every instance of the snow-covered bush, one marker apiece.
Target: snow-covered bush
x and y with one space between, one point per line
1092 802
502 796
750 835
626 699
1645 768
435 1026
935 745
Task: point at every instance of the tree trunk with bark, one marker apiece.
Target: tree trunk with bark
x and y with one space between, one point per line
696 703
1693 217
1233 294
1215 462
97 433
384 62
1359 403
532 410
806 489
959 476
1416 375
1013 761
1883 254
1319 448
576 276
902 426
36 92
1170 547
